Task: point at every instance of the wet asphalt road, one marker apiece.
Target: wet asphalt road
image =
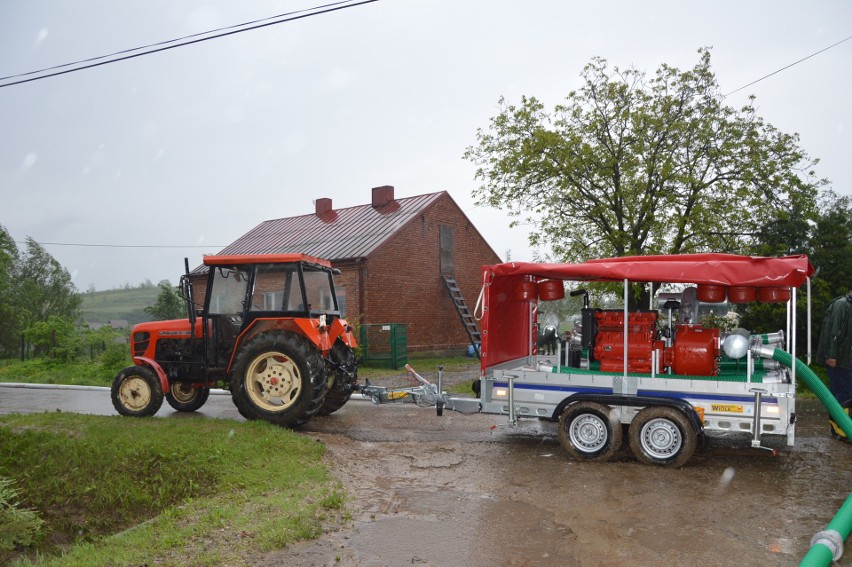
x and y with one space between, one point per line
488 496
36 398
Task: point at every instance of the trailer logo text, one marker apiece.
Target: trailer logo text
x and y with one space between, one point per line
730 408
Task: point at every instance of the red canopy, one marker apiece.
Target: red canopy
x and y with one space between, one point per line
506 317
713 269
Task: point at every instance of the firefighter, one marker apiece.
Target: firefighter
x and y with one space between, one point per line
835 352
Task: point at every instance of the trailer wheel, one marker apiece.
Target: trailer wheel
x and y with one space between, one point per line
136 392
589 432
662 436
185 397
280 378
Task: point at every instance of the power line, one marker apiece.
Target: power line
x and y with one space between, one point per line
172 43
788 66
117 245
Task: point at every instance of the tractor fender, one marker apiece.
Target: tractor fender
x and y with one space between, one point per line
615 400
150 362
340 328
308 328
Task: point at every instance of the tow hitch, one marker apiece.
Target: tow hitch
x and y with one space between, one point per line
422 392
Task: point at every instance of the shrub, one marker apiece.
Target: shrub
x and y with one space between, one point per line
18 526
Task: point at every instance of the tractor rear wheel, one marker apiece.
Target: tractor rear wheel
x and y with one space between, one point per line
136 392
278 377
342 378
185 397
661 435
589 432
338 394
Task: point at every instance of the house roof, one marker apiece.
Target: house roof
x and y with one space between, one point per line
341 234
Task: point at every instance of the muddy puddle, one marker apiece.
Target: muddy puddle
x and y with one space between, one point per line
455 491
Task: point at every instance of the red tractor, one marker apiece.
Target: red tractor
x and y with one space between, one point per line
270 331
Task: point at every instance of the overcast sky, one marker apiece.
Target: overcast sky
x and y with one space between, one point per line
186 150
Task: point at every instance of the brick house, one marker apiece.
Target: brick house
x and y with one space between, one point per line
391 254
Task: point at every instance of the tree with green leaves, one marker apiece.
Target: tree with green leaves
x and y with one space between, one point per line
631 164
8 319
57 337
33 288
169 305
827 241
43 288
831 242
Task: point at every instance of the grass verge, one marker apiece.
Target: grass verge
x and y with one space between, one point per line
48 371
120 491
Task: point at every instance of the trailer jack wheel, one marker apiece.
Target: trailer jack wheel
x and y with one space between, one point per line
589 432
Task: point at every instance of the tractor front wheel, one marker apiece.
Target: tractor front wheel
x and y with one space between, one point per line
279 377
136 392
186 397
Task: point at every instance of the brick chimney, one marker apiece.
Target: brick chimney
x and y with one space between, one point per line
382 196
322 205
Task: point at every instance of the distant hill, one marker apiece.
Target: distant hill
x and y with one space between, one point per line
128 304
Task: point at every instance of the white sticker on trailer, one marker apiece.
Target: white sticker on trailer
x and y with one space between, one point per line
538 397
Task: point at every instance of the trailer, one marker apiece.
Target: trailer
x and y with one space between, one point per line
656 378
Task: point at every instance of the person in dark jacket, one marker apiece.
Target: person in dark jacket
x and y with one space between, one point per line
835 352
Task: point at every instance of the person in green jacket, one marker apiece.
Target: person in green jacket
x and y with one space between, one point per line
835 352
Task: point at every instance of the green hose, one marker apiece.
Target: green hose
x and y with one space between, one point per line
835 410
824 544
821 553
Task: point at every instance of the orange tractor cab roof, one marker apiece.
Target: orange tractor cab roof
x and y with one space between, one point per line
233 259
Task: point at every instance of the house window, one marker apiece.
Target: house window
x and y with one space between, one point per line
446 249
272 300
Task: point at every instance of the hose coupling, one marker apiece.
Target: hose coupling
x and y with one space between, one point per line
830 539
763 351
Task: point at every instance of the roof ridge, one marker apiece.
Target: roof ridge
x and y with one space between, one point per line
356 206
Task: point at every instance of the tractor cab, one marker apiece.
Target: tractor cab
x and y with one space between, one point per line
243 292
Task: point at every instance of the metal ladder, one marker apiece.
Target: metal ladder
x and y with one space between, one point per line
466 316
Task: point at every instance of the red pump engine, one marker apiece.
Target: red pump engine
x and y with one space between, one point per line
695 350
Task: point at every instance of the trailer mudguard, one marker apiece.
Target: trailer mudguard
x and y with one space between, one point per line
610 400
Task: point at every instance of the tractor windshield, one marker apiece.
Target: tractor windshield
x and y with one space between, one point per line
318 288
277 287
228 293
